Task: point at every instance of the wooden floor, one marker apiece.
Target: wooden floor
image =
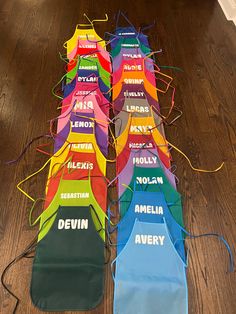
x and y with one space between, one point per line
194 36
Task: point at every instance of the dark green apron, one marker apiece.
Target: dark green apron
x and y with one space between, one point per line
68 268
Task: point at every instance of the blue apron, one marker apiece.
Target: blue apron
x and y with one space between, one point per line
149 207
127 32
68 88
150 276
93 74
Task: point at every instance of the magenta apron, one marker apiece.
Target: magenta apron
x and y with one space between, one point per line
133 54
83 89
139 64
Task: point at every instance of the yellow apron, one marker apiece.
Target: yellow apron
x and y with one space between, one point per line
83 34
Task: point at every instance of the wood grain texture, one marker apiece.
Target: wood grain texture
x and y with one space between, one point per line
194 36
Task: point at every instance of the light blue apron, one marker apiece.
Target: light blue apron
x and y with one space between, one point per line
150 276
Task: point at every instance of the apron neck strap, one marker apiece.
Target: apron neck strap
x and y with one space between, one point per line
215 235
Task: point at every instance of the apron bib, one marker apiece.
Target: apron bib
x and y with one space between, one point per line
153 180
84 64
134 65
82 105
71 193
85 90
79 166
135 159
68 268
86 76
89 63
134 78
95 51
131 54
135 92
129 43
149 207
150 276
128 32
138 128
139 108
92 76
86 144
85 124
83 34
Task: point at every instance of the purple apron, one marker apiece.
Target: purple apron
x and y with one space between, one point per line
82 125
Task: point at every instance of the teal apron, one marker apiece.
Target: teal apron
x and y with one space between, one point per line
153 180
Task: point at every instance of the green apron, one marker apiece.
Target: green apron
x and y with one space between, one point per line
71 193
88 62
153 180
68 268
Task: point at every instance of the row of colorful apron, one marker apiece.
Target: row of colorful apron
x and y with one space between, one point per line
68 269
75 228
149 271
149 232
